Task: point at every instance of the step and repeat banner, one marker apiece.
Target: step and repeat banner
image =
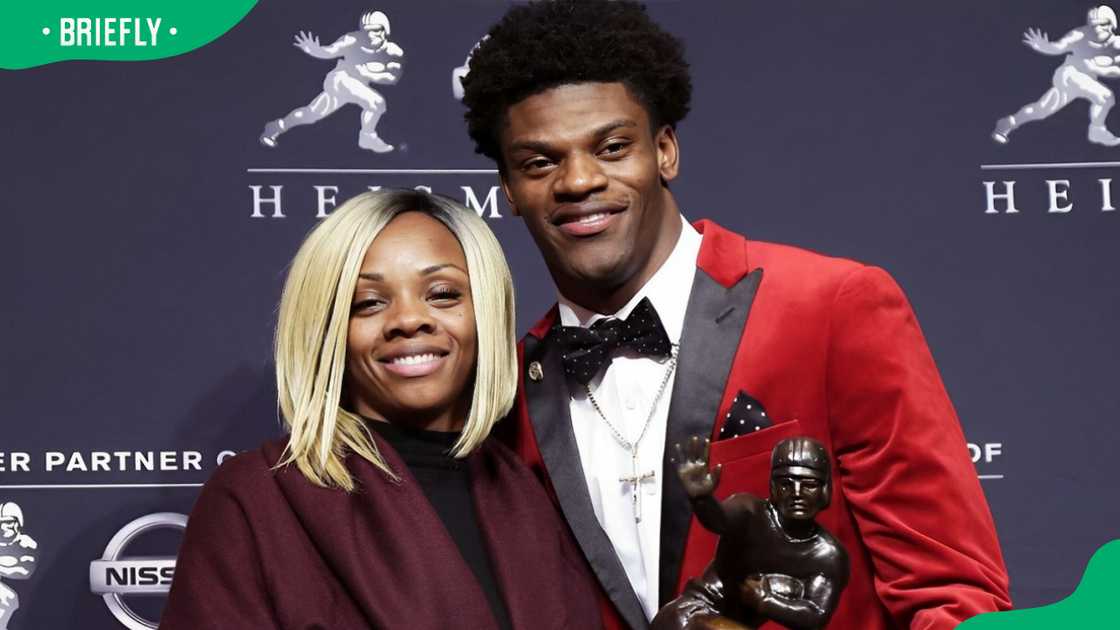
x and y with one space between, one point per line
150 209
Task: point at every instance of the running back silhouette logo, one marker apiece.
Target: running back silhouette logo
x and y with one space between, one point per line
459 73
18 557
365 57
1092 53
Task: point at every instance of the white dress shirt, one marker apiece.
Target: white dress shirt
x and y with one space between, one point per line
625 391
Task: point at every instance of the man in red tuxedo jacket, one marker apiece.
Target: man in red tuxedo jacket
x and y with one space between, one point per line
664 328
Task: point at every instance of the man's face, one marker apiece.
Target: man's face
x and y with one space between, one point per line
9 529
1102 29
584 169
797 497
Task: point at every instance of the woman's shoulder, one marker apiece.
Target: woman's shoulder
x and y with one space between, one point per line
501 462
492 448
248 472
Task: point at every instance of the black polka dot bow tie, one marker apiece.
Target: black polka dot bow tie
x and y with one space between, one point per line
585 351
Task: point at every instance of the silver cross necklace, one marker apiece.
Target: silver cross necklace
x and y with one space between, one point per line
636 479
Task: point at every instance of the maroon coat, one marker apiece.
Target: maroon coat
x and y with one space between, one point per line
267 549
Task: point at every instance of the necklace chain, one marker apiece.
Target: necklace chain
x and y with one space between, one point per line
628 446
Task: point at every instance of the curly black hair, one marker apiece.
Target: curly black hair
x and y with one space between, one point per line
544 44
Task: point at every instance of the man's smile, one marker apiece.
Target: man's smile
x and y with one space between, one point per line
588 218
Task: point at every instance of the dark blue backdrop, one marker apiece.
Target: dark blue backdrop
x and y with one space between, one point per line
140 290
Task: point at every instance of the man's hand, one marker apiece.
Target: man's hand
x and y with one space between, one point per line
1037 40
692 468
308 43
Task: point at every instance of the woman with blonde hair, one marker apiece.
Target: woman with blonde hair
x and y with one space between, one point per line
386 505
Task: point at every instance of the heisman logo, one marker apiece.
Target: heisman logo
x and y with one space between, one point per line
459 73
1092 53
114 575
18 555
365 57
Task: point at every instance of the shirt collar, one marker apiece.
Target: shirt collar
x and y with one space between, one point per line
664 289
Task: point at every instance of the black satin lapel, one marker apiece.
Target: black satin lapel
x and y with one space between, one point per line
713 326
550 415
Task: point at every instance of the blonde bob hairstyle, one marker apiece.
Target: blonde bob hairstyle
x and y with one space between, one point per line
314 318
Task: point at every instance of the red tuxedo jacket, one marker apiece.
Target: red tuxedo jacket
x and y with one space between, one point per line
833 351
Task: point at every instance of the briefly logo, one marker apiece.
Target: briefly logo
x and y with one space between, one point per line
115 575
18 556
365 57
1092 53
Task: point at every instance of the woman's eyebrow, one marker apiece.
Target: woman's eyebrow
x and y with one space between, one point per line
426 271
434 268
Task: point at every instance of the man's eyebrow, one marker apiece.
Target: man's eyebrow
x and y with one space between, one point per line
613 125
537 146
532 146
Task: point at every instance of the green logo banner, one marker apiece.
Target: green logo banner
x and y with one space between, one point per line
1092 605
37 33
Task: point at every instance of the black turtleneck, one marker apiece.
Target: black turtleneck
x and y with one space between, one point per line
446 483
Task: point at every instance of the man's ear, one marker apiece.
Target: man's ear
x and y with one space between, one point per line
505 190
668 153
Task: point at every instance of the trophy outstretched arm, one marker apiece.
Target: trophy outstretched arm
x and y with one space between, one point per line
700 482
710 513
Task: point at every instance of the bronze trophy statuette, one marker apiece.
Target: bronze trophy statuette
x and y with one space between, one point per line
773 561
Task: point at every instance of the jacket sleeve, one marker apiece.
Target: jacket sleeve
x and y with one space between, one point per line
218 580
903 464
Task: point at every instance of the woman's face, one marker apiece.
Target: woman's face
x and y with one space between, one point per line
411 345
